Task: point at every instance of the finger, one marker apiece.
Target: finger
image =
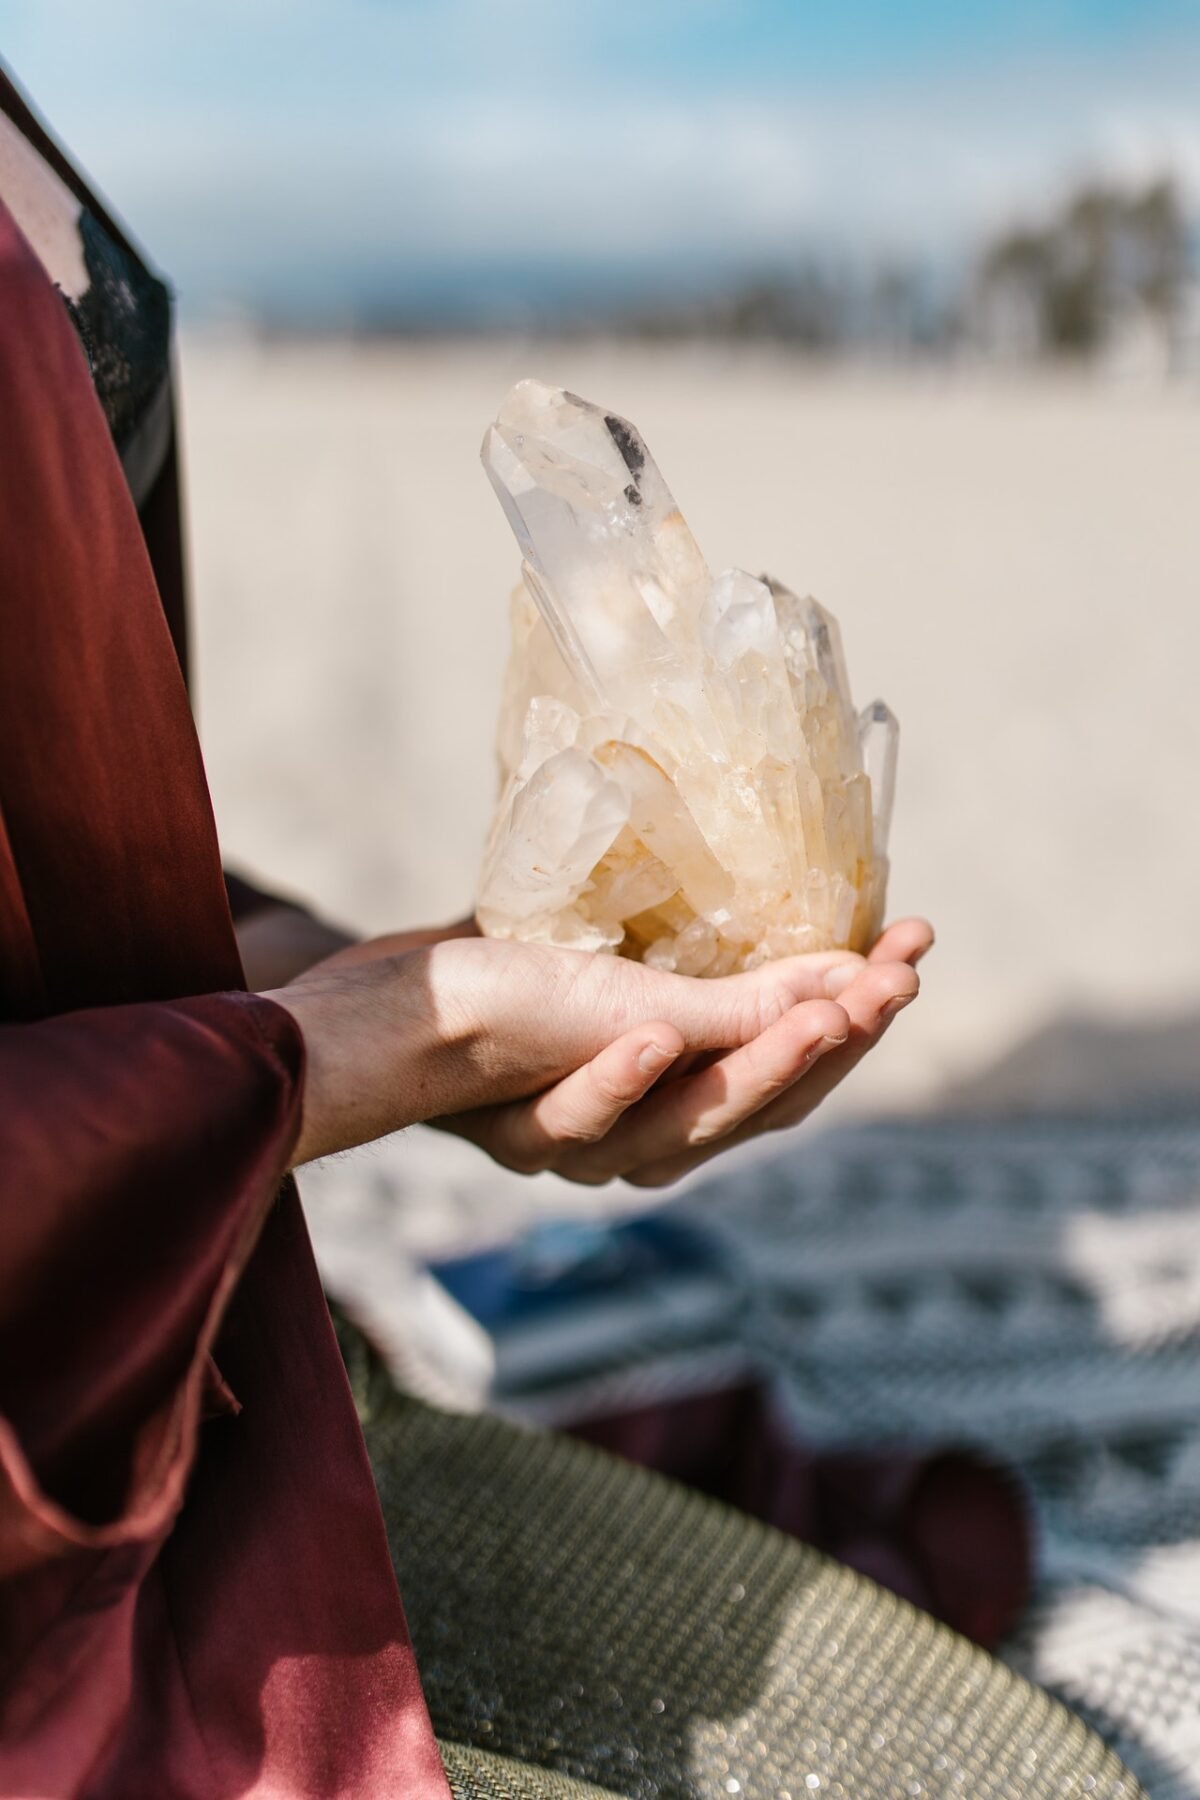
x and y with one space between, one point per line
823 973
586 1104
707 1017
729 1010
704 1108
879 995
808 978
871 1003
906 941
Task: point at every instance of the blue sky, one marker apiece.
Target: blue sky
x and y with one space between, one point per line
323 150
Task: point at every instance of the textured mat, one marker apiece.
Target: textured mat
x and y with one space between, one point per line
577 1614
480 1775
1030 1287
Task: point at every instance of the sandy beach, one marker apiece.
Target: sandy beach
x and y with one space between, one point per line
1015 562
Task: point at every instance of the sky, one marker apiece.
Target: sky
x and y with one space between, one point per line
323 155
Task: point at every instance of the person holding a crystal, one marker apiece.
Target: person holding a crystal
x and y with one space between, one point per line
686 783
196 1591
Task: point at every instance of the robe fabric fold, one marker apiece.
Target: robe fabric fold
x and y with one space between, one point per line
196 1594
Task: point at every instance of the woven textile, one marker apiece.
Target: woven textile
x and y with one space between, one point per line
481 1775
575 1613
1028 1287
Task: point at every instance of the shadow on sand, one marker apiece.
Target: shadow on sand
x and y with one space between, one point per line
1081 1064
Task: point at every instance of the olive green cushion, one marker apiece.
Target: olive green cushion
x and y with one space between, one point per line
595 1621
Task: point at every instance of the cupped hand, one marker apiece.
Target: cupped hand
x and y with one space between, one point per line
553 1059
621 1115
470 1026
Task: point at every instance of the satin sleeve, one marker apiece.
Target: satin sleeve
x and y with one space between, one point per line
141 1147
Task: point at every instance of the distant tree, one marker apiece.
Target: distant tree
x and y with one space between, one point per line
1104 250
893 306
1156 217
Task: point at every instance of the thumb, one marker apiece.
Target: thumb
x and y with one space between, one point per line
724 1012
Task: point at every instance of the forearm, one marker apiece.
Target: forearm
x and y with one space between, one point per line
382 1051
395 1039
364 1051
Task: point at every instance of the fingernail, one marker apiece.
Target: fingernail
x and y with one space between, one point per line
838 979
831 1043
654 1059
897 1004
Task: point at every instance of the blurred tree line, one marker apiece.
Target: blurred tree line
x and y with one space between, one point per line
1108 261
1064 287
1111 273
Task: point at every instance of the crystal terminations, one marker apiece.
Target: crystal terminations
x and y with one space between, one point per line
684 778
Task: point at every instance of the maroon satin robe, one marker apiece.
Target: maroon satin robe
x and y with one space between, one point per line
196 1596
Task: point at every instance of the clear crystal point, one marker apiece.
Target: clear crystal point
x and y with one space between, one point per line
616 573
684 776
879 740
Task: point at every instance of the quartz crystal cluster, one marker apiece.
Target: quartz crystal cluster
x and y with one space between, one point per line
684 777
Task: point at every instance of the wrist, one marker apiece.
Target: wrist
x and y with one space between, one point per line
369 1054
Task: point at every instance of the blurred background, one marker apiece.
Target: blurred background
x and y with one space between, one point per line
906 300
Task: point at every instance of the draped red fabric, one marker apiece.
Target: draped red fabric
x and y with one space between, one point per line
948 1529
196 1596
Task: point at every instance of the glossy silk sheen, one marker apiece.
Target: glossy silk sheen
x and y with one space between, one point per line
196 1595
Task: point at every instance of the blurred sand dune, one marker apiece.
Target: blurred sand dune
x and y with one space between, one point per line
1016 565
